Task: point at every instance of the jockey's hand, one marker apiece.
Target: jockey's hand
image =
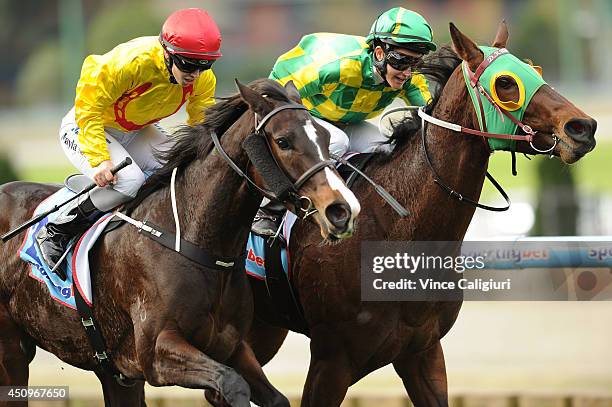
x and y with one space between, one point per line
103 176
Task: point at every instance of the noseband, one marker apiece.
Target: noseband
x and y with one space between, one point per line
259 151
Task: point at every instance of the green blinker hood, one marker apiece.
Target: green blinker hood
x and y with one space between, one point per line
528 81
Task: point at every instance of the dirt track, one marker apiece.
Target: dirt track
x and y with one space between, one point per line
507 347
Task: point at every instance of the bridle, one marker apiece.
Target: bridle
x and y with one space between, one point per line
287 193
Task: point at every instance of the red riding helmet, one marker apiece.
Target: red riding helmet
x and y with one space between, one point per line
191 33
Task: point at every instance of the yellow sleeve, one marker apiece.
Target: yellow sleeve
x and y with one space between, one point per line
203 96
102 82
416 92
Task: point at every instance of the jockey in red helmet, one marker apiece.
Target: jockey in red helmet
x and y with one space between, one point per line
191 41
120 97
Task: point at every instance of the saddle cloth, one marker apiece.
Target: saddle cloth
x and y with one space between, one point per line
255 264
76 262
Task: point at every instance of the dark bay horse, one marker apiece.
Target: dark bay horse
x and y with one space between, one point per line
165 318
351 338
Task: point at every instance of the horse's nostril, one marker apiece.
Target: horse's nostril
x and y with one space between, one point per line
576 127
581 130
338 214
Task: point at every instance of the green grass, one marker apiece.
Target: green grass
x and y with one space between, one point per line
47 174
595 170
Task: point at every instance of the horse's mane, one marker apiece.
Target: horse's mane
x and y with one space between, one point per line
437 67
190 143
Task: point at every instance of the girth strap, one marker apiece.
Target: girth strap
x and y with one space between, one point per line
96 340
187 249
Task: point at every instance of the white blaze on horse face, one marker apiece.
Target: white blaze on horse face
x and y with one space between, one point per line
311 132
334 181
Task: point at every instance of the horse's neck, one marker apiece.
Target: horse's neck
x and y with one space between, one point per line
218 208
460 160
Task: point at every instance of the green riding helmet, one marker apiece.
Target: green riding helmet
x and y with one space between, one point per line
403 28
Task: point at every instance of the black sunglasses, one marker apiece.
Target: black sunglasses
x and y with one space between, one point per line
401 62
189 65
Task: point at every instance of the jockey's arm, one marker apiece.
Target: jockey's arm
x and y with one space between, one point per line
416 92
203 96
98 88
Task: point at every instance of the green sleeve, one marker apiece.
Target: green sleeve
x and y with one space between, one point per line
416 92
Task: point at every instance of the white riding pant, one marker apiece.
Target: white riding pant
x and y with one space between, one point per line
138 145
362 137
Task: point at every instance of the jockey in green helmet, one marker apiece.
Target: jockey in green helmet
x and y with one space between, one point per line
345 79
396 36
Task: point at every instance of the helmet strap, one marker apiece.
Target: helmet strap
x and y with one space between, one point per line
168 62
381 66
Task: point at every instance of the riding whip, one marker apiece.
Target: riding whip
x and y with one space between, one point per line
9 235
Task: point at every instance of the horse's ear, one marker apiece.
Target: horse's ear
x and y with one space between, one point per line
466 48
501 38
256 101
292 92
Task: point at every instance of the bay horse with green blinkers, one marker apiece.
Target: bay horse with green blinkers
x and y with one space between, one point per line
165 318
351 338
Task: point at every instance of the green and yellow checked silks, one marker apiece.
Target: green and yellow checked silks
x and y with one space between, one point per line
528 81
335 77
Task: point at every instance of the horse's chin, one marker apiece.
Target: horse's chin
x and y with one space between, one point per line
331 234
333 237
569 158
567 149
340 236
570 152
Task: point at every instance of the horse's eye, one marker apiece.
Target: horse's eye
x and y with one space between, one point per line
283 143
505 82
